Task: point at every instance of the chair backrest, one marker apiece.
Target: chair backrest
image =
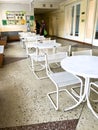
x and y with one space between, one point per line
49 41
53 58
31 39
83 52
66 48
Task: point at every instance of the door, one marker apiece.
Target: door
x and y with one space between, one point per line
72 20
90 22
95 34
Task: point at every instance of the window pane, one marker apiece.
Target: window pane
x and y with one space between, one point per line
72 21
96 33
77 20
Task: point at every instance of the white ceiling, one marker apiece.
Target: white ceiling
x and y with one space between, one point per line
27 1
36 11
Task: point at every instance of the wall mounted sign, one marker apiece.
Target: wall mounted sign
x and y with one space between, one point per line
4 22
29 21
15 18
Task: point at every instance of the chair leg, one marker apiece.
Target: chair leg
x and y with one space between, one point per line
94 91
91 108
38 70
77 104
76 94
72 107
56 105
37 76
53 103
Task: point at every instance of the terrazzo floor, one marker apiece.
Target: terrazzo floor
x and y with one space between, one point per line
23 98
56 125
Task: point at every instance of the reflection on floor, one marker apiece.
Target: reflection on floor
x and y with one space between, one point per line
23 99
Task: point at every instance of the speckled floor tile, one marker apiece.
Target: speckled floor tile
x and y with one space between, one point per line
87 120
57 125
23 98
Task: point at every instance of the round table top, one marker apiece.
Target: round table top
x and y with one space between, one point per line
85 66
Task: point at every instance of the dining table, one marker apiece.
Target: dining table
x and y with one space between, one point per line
42 46
86 67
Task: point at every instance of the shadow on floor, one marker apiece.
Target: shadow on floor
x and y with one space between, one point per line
9 60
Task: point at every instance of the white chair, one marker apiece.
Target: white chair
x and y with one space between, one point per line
62 49
82 52
28 44
38 62
66 48
31 39
61 80
23 36
94 90
22 39
49 50
95 100
74 53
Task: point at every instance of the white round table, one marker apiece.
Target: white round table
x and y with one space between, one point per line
85 66
46 45
39 46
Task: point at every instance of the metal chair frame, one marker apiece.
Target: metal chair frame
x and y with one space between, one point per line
61 80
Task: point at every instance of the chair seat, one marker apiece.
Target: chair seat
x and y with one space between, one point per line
82 52
36 58
63 79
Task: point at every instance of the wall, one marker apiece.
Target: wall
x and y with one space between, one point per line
58 23
83 20
55 21
46 5
13 7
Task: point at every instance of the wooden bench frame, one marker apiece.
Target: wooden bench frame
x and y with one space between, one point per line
1 55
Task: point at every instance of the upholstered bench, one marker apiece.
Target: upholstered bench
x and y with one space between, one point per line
1 55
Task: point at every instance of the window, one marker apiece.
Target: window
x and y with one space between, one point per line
75 18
